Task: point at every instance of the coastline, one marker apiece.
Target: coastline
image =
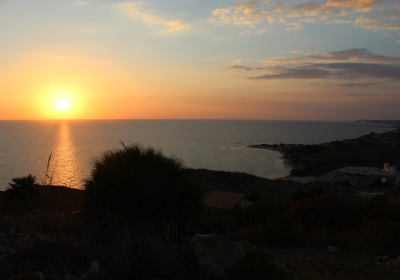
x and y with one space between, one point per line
314 160
266 147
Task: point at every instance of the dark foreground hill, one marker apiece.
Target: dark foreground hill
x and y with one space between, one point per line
53 218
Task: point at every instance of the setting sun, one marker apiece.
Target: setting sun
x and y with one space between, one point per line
63 105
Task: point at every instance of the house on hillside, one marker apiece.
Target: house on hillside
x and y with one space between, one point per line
222 200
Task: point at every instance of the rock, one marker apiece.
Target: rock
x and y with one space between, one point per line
14 237
76 215
333 249
85 277
53 276
70 277
94 268
216 252
36 275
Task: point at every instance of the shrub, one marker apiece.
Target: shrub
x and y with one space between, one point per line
326 211
22 187
141 183
300 194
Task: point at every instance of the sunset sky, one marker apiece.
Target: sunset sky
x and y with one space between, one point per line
200 59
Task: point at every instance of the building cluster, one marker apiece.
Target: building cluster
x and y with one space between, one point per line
390 169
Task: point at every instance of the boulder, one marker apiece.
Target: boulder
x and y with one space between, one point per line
13 237
216 252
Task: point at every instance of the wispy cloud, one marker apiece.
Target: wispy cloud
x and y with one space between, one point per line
239 67
278 60
137 10
82 3
358 84
177 25
358 94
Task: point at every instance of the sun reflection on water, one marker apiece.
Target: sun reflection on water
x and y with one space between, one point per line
66 167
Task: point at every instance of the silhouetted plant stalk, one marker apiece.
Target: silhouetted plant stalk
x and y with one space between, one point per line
48 180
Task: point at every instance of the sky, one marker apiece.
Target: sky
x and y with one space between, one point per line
200 59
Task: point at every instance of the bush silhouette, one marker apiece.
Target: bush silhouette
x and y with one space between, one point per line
22 187
141 184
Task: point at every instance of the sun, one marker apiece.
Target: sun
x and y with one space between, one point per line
63 105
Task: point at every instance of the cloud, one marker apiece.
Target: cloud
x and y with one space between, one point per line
339 21
257 12
239 67
82 3
261 31
278 60
243 13
358 84
352 64
394 13
358 94
352 55
359 5
136 9
345 71
373 23
177 25
310 9
280 72
398 41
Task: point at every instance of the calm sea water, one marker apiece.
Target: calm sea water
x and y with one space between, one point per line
212 144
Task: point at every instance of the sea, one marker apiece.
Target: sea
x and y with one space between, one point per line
73 145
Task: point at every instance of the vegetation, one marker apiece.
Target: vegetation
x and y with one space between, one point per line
141 184
142 209
22 187
300 194
49 257
322 221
